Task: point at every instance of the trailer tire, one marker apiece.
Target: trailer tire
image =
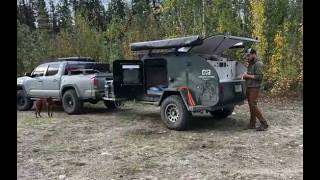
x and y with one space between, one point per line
71 103
174 113
222 113
112 104
23 102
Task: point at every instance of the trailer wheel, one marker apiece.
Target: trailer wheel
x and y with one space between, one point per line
174 114
112 104
23 102
71 103
222 113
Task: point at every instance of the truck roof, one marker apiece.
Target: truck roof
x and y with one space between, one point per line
75 59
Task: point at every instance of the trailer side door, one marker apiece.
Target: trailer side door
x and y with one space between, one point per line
128 78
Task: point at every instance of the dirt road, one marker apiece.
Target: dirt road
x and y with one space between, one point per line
132 143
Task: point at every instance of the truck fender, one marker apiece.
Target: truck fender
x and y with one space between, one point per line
167 93
66 87
21 87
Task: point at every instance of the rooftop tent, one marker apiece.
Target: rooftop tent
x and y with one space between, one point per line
218 44
167 43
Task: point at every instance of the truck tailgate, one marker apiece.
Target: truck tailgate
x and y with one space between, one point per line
100 81
88 86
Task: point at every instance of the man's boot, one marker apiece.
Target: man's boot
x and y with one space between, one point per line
263 127
251 125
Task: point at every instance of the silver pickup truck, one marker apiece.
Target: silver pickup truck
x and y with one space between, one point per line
71 81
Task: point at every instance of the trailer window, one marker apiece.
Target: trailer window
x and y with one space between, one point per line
131 74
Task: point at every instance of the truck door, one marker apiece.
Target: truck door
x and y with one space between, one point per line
128 78
51 81
35 85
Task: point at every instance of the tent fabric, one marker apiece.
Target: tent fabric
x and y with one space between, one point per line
167 43
218 44
195 44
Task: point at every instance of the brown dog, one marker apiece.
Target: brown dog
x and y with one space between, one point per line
40 103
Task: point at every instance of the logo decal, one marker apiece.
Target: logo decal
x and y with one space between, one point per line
206 72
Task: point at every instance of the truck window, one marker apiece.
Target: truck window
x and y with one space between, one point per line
73 67
99 67
39 71
52 69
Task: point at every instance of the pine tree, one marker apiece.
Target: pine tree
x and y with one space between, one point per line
116 10
64 15
53 19
25 14
42 15
95 12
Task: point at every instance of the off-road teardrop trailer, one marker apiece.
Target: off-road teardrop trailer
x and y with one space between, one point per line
194 77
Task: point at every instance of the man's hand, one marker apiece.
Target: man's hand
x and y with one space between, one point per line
247 76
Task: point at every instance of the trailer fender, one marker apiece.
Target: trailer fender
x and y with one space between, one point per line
167 93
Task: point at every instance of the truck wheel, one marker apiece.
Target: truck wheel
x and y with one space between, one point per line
71 103
222 113
112 104
174 114
23 102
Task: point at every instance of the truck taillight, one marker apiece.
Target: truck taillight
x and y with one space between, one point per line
94 82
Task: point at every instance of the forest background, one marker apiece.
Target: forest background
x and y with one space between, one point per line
104 29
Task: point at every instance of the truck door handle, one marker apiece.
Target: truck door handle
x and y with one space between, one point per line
39 80
55 80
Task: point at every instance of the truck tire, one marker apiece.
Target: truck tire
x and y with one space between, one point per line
174 113
112 104
23 102
222 113
71 103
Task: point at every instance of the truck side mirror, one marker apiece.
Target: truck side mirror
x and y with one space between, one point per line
27 74
171 79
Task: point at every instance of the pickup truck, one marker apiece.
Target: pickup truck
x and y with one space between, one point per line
71 81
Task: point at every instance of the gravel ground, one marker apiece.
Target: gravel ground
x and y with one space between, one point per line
133 143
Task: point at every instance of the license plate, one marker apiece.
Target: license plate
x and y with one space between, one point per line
238 88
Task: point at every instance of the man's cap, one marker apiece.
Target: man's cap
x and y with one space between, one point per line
251 51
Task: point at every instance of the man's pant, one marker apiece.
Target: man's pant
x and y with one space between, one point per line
255 112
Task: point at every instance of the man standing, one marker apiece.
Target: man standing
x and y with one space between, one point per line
253 79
